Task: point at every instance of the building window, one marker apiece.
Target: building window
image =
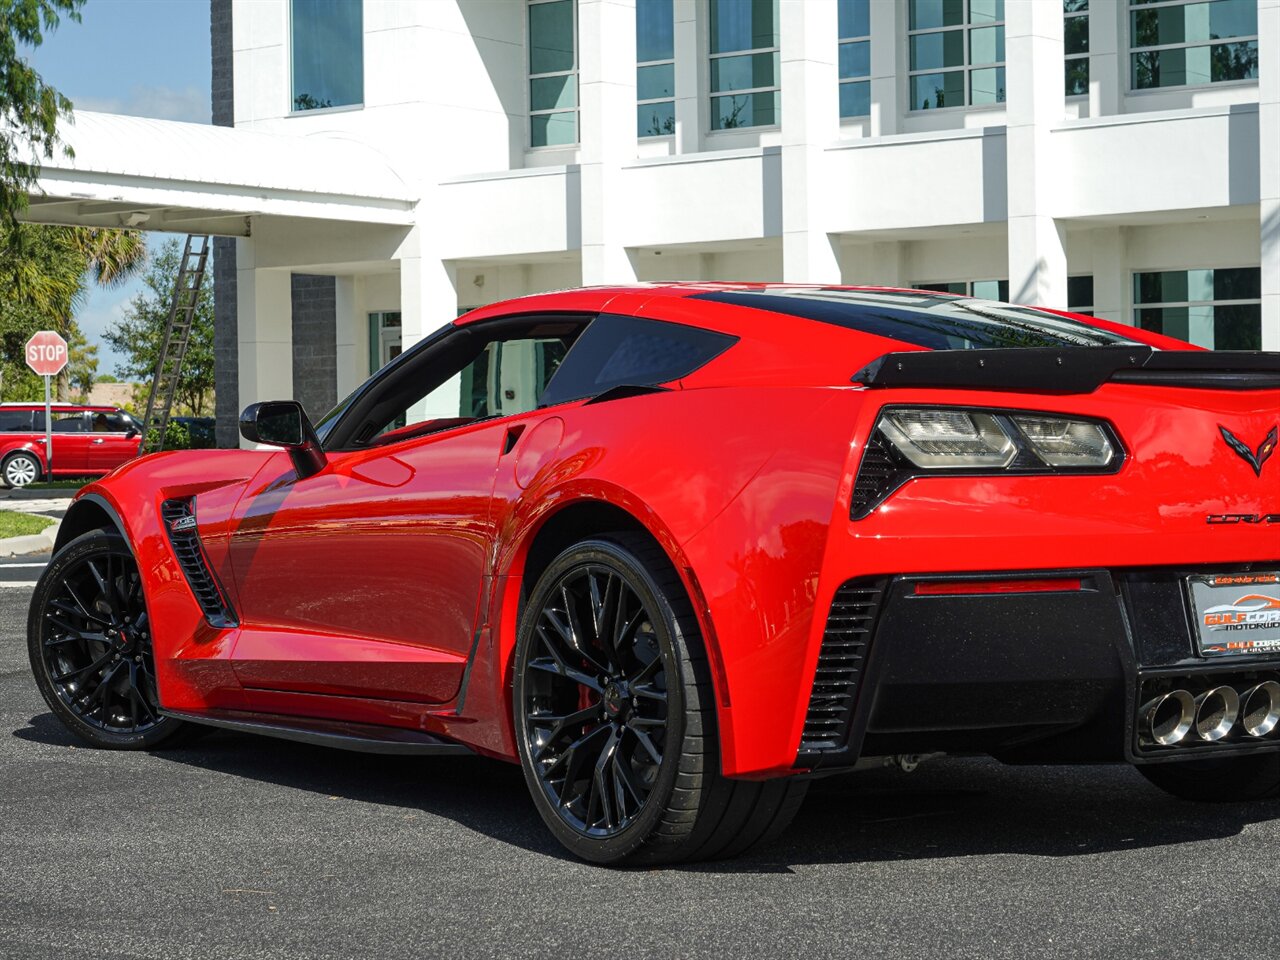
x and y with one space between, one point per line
855 58
1075 46
553 73
956 53
655 68
744 64
981 289
327 53
384 339
1080 295
1176 44
1217 309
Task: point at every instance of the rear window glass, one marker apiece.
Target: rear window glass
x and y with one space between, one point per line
15 421
925 319
620 351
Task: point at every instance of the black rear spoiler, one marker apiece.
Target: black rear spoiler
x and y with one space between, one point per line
1073 369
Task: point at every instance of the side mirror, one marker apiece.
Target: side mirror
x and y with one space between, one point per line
131 433
283 423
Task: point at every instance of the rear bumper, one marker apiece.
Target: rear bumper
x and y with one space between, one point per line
1053 676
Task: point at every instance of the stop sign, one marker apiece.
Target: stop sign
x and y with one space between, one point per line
46 353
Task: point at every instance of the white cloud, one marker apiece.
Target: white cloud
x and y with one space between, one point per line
161 103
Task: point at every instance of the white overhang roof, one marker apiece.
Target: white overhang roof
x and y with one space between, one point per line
196 178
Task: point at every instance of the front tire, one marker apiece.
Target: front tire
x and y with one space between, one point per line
615 716
20 469
1219 779
89 641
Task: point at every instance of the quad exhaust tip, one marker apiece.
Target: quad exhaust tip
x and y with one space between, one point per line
1216 712
1169 717
1260 709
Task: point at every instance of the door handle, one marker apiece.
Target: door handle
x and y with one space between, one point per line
99 440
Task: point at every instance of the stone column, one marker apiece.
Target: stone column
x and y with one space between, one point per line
1111 294
225 345
607 87
1033 55
428 300
264 329
690 54
1108 61
810 122
887 57
1269 166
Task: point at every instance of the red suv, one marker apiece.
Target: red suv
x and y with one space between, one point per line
86 440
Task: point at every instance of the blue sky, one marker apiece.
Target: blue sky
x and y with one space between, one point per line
148 58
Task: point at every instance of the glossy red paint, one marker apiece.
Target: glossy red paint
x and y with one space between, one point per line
386 588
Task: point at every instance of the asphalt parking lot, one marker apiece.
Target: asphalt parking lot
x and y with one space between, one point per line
244 847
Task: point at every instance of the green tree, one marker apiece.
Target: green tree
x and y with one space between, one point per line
82 362
44 277
137 336
29 107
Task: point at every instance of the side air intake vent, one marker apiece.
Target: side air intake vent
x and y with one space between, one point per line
840 666
180 522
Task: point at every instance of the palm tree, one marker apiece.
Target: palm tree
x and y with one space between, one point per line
44 273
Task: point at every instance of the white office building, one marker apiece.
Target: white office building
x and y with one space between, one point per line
393 162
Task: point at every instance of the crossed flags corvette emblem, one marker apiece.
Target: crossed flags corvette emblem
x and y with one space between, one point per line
1255 458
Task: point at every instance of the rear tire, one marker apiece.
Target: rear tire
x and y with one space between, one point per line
1219 780
20 469
89 641
615 716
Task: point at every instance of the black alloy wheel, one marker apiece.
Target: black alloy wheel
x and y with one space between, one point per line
595 700
89 639
615 715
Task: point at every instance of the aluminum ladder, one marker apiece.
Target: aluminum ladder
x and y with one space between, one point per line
177 334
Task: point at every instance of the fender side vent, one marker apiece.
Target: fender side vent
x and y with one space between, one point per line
841 660
180 523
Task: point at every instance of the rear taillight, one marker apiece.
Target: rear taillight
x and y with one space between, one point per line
910 442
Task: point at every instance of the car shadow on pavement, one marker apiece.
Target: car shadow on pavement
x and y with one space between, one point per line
948 808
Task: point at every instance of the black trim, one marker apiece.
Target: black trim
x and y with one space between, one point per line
840 672
1073 369
357 737
67 530
179 519
626 390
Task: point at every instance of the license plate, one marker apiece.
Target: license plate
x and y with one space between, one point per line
1237 614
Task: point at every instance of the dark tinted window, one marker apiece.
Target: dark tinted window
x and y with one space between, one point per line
66 422
936 322
117 422
15 421
616 350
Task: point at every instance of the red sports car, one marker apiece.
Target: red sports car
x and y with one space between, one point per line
678 549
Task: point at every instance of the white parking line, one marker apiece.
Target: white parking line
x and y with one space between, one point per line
10 566
18 583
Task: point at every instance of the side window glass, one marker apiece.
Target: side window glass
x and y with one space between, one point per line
497 378
68 422
616 351
15 421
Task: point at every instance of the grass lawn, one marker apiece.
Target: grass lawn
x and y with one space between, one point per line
13 524
71 483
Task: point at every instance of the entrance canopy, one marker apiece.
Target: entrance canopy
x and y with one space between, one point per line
195 178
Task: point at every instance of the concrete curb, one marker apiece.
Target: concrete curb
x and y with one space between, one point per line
41 542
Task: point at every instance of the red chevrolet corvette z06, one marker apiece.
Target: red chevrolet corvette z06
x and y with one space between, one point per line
678 549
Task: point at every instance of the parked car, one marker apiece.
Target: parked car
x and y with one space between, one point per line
87 441
677 549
